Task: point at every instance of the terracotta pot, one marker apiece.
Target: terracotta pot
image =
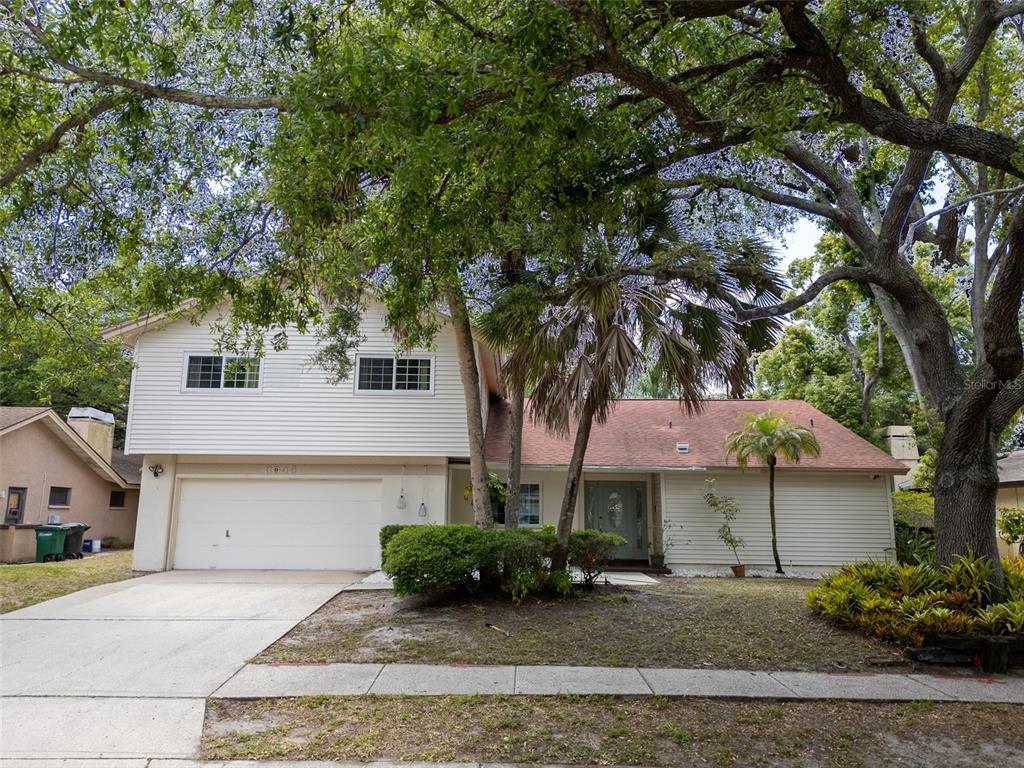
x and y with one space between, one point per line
739 571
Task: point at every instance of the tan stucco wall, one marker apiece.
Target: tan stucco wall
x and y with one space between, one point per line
34 458
17 545
1010 497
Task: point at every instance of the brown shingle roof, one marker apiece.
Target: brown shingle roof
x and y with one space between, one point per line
1011 469
11 414
128 467
637 434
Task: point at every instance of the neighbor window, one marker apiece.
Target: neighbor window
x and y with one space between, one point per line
222 372
15 505
387 374
117 499
59 497
529 506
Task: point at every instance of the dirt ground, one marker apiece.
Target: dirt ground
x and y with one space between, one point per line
616 731
692 623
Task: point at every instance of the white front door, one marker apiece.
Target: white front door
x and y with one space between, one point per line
278 524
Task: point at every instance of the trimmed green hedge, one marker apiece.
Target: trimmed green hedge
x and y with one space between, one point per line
431 558
913 603
387 533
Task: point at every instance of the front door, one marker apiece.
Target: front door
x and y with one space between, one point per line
617 506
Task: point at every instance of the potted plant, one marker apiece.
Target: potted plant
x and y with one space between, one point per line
1010 523
727 507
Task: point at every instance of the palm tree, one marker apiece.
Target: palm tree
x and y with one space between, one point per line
765 437
619 302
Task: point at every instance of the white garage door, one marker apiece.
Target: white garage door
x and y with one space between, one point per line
278 523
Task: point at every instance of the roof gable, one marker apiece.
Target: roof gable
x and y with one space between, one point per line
13 418
1011 469
645 434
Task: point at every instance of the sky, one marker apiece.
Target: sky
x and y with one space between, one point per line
798 242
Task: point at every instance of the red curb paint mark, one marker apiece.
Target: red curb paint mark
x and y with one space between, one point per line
985 680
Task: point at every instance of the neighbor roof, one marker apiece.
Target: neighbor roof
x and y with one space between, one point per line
644 434
11 415
1011 469
13 418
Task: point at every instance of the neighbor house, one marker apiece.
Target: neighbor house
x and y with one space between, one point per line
261 462
1011 480
52 469
1011 491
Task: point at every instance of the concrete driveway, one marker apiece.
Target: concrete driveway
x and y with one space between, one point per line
122 670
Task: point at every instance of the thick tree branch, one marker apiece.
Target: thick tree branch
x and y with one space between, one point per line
856 274
52 142
814 55
812 207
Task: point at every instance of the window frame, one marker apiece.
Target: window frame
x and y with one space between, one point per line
393 392
21 509
540 507
124 500
49 497
224 358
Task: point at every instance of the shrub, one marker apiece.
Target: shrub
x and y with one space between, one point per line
971 575
426 558
431 558
386 534
913 545
911 603
1011 524
1003 618
591 551
915 509
1013 573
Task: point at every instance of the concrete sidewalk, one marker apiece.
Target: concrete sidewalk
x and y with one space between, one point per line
283 680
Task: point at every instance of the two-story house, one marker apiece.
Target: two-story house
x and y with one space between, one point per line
260 462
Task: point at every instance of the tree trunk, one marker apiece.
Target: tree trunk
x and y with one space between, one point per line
966 485
470 375
515 454
771 513
572 480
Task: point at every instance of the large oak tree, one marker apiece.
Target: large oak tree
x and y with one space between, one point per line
274 150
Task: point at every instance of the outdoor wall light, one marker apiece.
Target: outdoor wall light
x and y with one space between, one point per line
400 504
156 469
423 509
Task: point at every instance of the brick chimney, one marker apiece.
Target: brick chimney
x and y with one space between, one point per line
96 427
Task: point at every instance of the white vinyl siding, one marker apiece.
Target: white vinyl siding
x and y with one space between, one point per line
296 410
822 519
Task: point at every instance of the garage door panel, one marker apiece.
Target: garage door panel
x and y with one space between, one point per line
278 523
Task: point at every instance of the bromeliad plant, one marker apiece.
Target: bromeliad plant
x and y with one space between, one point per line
914 603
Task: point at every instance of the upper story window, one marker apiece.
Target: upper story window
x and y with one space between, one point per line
222 372
391 374
59 496
117 499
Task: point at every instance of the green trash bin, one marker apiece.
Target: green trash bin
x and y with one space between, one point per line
50 543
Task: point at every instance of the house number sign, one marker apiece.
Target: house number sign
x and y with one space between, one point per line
280 469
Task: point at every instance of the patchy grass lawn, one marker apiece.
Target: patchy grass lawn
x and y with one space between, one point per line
691 623
609 730
30 583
